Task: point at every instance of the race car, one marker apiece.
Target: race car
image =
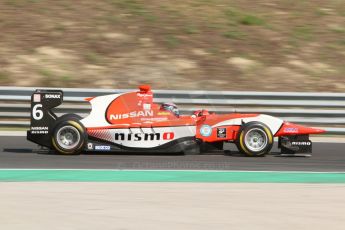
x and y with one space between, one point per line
132 122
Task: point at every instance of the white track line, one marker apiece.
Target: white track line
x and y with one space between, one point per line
163 170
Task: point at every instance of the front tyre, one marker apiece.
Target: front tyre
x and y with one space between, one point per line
69 137
255 139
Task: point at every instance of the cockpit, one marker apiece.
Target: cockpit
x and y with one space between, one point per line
171 107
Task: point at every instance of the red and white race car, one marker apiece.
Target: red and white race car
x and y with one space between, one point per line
132 122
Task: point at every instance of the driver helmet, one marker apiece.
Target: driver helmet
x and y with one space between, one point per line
170 107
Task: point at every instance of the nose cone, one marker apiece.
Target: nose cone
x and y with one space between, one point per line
318 131
293 129
312 130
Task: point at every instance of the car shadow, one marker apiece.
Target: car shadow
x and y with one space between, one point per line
100 153
52 152
22 150
132 153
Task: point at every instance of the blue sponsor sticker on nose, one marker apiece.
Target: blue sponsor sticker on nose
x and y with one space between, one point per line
206 130
291 130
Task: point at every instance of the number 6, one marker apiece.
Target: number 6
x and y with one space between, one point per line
37 114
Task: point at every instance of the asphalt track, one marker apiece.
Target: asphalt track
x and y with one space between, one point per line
18 153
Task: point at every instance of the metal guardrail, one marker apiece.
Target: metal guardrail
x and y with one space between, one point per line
325 110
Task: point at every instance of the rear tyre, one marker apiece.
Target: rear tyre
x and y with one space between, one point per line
254 139
69 135
70 116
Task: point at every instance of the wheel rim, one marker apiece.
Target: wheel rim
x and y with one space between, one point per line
68 137
256 140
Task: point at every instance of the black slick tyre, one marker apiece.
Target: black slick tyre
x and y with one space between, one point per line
69 135
254 139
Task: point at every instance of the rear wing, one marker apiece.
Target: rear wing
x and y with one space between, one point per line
42 118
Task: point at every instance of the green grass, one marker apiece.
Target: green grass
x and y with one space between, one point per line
20 3
341 42
302 33
52 79
210 24
234 34
132 6
149 16
213 51
172 41
232 16
112 19
340 10
3 76
136 8
14 2
250 20
67 5
174 25
321 12
171 13
46 73
66 78
60 27
231 13
338 29
190 29
199 3
49 77
93 58
235 17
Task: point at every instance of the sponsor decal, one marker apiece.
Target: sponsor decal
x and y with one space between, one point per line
147 106
301 143
206 130
154 118
54 96
89 146
291 130
102 147
132 114
39 130
37 97
221 132
144 136
163 113
142 94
